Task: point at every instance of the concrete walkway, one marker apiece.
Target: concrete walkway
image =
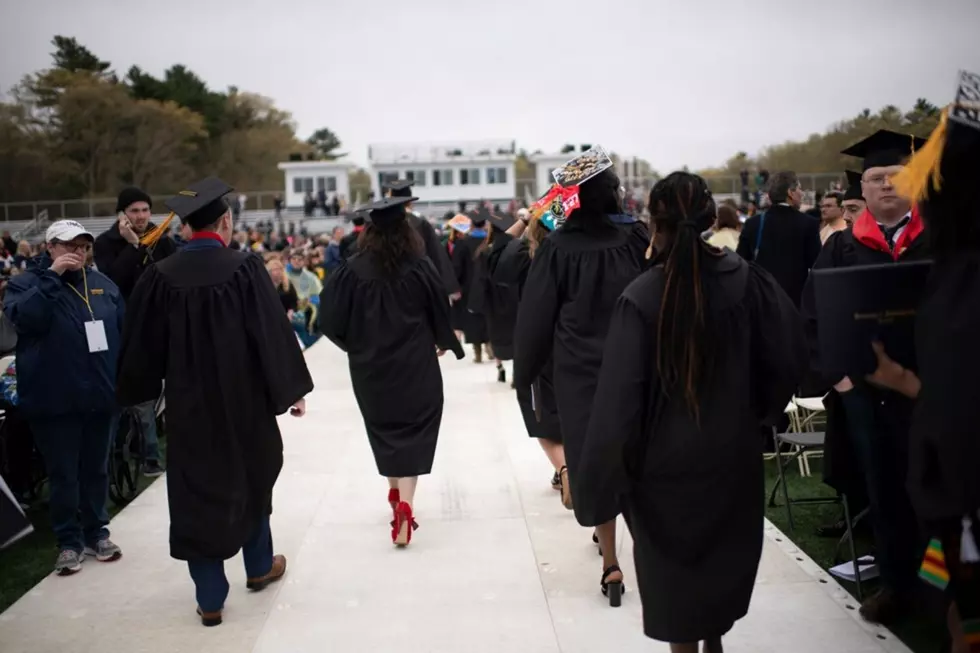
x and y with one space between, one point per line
497 565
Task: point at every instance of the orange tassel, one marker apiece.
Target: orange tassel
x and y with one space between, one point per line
151 237
922 171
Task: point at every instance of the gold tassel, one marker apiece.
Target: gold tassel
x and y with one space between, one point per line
922 170
151 237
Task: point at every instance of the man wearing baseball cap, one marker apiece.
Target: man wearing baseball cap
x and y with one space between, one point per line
122 253
68 320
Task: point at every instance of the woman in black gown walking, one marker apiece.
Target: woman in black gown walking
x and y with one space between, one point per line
575 278
702 349
387 308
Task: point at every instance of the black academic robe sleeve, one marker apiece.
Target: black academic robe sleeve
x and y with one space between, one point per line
618 417
335 305
537 315
479 297
439 311
276 351
779 346
437 254
142 363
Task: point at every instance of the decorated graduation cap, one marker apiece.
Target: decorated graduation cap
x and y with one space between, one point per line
400 188
201 204
944 172
885 148
386 212
854 191
582 168
460 223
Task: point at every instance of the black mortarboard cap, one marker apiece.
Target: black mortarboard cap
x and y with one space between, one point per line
500 221
478 216
386 212
885 148
854 191
201 204
400 187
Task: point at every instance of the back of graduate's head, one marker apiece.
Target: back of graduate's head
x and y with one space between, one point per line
389 239
681 209
599 197
204 221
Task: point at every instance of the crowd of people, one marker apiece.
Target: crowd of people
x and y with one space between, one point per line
652 358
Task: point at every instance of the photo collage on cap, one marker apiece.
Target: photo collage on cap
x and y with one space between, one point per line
583 167
966 106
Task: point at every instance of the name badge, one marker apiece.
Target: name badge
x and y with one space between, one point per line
95 334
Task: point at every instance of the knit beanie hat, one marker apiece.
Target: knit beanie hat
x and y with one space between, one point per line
131 195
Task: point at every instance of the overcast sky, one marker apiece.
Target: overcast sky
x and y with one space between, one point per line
676 82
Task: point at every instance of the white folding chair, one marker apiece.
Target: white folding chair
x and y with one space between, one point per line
807 409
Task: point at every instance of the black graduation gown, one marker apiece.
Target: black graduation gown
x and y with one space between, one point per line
390 328
209 321
944 483
348 244
573 284
467 270
508 277
496 301
693 496
840 468
436 253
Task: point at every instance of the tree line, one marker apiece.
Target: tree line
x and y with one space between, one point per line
78 130
820 153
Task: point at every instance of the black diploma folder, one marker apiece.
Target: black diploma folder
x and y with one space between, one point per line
860 304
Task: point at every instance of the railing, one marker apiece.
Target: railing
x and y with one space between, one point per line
80 209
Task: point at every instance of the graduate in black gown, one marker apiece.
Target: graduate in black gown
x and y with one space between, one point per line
944 452
209 322
702 349
575 279
539 408
433 248
497 303
386 307
466 267
348 244
868 427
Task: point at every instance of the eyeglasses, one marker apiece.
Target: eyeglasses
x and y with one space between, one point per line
74 247
878 180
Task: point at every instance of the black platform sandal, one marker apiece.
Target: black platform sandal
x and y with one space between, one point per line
595 540
501 373
614 589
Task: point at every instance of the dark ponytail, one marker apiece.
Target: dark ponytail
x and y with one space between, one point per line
682 209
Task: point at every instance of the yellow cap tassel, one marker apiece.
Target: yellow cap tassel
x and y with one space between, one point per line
922 171
151 237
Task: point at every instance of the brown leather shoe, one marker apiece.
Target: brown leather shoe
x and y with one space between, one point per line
278 571
209 618
884 607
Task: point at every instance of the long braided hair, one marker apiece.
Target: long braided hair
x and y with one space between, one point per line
681 210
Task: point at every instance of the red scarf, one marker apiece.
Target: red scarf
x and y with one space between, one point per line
867 232
358 228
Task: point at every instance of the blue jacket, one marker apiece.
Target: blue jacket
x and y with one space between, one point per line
56 374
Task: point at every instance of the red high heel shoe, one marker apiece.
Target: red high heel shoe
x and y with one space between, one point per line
404 524
394 498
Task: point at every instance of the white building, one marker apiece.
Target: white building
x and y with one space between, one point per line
333 177
448 172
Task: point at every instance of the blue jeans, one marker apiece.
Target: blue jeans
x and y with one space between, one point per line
148 422
75 449
209 575
883 457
